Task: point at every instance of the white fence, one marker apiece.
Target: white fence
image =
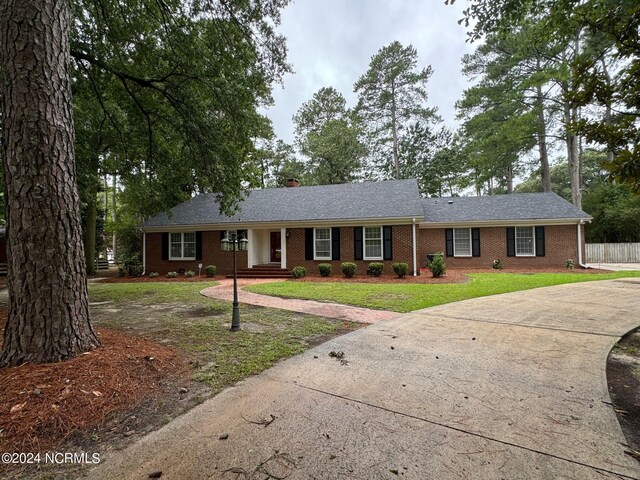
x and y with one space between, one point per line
613 252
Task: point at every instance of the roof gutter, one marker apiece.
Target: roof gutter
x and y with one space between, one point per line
277 225
504 223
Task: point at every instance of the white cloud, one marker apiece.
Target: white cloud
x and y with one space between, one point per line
331 43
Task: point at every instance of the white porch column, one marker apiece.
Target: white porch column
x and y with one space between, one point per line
250 260
283 248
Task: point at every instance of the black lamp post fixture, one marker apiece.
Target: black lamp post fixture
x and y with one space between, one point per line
234 242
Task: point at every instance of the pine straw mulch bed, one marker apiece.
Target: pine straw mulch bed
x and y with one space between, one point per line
161 278
42 406
452 275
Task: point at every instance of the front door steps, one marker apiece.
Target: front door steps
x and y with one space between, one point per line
263 271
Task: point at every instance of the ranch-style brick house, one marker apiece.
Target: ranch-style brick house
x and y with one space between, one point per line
385 221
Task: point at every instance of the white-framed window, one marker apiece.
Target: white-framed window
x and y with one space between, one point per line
461 242
373 243
322 244
182 246
525 242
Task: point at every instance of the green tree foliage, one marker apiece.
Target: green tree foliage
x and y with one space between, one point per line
615 23
328 134
166 96
433 158
392 96
614 207
278 162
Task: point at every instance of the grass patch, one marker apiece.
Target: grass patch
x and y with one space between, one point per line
414 296
176 314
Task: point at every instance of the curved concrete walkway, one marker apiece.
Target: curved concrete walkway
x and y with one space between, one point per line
504 387
224 291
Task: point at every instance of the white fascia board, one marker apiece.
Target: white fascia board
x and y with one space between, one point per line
505 223
354 222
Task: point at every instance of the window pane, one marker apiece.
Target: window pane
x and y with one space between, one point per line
373 242
462 241
371 233
524 240
373 248
189 250
190 237
323 242
176 250
176 237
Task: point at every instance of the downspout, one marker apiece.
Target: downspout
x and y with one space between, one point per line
580 245
144 253
415 256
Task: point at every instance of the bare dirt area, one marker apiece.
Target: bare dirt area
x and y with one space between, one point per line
623 376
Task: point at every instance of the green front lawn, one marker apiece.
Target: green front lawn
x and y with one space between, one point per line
414 296
174 313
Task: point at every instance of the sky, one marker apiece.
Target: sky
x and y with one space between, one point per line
331 42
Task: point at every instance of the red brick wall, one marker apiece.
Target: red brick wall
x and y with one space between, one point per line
211 255
402 251
560 244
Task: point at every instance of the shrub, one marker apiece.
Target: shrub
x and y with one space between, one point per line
189 273
375 268
210 270
298 272
437 265
497 264
122 272
172 274
153 274
325 269
348 269
569 264
135 270
400 269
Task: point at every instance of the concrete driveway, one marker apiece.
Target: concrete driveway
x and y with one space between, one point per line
504 387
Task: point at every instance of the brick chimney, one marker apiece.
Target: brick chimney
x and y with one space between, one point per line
292 182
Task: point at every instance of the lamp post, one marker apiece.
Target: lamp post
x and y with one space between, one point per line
234 242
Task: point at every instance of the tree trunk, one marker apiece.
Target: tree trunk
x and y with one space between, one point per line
114 191
394 133
48 318
90 232
545 175
573 157
510 179
607 112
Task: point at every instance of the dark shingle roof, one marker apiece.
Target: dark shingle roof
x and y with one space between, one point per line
389 199
517 206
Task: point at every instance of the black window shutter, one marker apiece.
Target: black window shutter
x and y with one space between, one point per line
198 245
448 236
357 243
475 242
308 243
335 243
223 233
165 246
539 241
511 241
387 239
